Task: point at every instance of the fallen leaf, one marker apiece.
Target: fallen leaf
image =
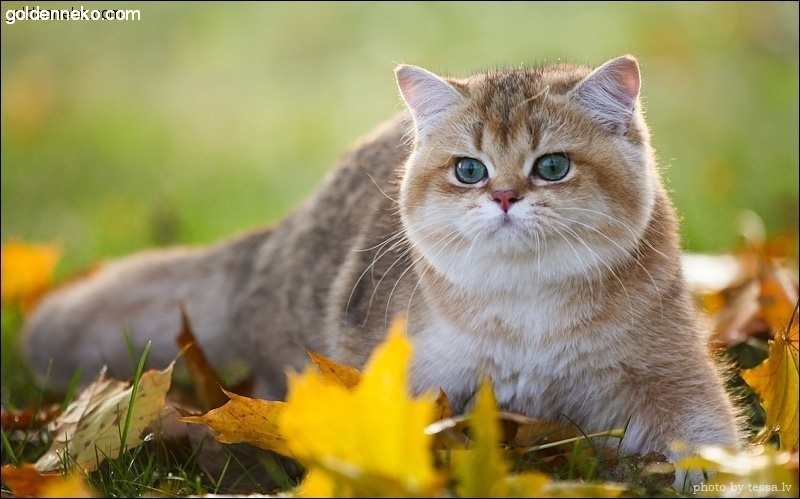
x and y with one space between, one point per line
91 427
244 419
365 440
777 297
482 470
346 376
27 271
776 382
479 469
29 418
205 381
585 489
523 431
27 481
443 410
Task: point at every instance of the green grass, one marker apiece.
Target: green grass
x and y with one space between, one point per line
167 463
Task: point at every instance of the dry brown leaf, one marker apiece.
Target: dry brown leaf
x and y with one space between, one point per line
27 481
443 410
346 376
90 429
205 381
517 429
244 419
522 431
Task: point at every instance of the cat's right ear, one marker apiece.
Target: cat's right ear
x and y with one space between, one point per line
610 93
426 95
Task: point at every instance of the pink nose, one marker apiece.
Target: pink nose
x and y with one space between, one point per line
505 199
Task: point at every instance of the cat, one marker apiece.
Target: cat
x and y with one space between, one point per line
516 218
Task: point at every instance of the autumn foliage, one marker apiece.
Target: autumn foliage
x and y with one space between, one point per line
361 434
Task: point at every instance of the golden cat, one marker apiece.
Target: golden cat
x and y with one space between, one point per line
516 218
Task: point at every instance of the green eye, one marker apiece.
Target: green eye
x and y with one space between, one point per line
470 171
551 167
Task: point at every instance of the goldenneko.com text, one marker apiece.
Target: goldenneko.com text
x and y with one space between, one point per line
72 14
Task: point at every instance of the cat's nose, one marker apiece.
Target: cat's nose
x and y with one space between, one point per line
505 198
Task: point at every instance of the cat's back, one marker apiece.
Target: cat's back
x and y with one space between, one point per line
287 301
316 236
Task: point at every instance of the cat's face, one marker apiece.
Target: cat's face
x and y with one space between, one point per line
542 172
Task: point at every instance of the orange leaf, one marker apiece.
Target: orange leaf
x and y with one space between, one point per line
443 410
205 381
345 376
27 481
243 419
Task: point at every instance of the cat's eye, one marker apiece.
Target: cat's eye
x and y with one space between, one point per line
551 167
470 171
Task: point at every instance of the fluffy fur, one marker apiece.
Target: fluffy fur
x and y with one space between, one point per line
568 294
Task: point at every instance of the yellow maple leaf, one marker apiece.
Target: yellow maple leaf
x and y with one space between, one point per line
479 469
27 271
243 419
776 382
368 440
90 429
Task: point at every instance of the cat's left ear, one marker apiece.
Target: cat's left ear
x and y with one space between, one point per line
426 95
610 92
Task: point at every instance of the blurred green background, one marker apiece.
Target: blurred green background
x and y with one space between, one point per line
203 120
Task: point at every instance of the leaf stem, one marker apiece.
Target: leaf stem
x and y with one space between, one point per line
617 433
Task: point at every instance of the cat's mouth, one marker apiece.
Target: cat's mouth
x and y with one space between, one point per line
504 223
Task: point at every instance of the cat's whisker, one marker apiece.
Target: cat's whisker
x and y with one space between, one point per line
426 223
578 257
597 258
631 258
397 233
375 286
448 238
465 266
380 189
401 239
619 222
538 259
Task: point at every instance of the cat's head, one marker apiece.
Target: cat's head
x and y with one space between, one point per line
546 169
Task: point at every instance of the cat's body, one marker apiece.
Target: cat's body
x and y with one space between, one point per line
524 232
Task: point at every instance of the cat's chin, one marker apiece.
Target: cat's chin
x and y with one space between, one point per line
509 236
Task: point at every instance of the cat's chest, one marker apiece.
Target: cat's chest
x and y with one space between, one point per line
527 347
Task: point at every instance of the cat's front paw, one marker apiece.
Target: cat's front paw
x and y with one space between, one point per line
688 479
